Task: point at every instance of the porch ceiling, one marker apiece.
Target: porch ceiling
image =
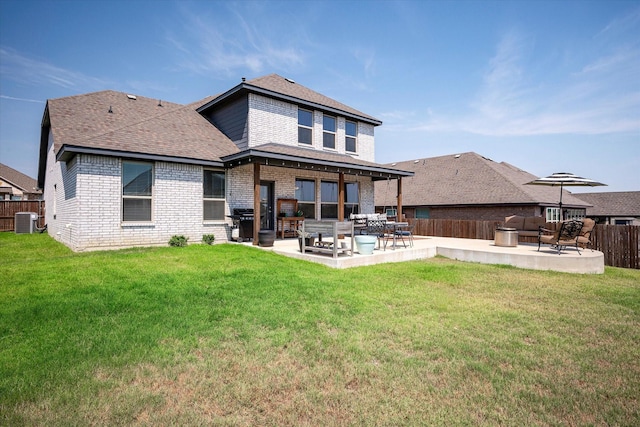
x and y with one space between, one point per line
309 159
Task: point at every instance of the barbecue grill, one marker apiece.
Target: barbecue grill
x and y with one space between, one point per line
243 222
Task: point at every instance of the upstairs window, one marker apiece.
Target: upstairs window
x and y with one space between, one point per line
213 194
329 132
351 132
305 127
137 189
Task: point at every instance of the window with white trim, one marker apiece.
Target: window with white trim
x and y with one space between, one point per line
213 195
329 132
350 138
137 191
553 215
305 127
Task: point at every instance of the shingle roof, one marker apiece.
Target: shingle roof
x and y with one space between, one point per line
279 84
290 153
17 179
141 125
280 87
621 203
468 179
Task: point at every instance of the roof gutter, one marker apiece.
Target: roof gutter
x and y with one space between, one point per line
299 162
67 152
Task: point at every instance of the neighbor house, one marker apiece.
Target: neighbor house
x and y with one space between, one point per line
122 170
616 207
470 186
15 185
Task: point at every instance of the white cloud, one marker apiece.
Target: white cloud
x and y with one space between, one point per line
19 68
228 43
601 97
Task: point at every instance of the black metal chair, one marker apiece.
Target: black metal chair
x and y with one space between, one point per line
566 235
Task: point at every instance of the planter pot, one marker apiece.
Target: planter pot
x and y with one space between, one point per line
308 241
365 244
266 237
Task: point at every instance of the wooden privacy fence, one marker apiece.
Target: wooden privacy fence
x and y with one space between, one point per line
620 244
9 208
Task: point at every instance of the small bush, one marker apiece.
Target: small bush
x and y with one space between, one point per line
208 239
178 241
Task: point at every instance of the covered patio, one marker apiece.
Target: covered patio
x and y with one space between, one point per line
471 250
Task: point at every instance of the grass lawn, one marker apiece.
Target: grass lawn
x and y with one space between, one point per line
232 335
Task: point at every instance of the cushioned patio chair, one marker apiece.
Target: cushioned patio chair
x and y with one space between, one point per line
584 239
566 235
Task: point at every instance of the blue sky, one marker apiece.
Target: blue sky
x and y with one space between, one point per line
548 86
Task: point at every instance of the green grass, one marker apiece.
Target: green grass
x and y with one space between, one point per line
232 335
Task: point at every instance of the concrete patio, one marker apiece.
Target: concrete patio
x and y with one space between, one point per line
472 250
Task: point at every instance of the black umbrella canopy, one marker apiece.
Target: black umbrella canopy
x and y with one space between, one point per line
565 179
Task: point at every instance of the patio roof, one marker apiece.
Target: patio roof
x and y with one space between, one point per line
305 158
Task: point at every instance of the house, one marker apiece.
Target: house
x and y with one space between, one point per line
15 185
470 186
121 170
618 208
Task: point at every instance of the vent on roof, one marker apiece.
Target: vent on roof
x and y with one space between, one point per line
132 97
290 80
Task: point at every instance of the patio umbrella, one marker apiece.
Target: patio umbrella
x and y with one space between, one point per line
565 179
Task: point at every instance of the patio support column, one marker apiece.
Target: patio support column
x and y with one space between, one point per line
341 196
256 202
399 201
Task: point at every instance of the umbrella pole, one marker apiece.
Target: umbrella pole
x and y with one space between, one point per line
561 213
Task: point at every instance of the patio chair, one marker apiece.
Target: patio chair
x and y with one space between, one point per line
406 232
566 235
584 239
377 227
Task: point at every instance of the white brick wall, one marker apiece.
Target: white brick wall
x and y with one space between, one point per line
274 121
88 209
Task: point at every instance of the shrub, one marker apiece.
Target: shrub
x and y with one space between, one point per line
178 241
208 239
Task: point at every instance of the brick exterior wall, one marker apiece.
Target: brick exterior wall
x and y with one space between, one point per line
88 205
274 121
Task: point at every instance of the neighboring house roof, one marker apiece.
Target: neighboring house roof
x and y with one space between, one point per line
119 123
621 203
307 158
17 179
469 179
279 87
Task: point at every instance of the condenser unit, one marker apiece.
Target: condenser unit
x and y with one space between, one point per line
25 222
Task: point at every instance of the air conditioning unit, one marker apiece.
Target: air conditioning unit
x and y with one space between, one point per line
25 222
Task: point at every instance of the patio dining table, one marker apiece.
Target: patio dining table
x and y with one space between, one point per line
397 227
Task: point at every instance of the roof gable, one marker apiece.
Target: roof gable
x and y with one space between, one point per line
279 87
